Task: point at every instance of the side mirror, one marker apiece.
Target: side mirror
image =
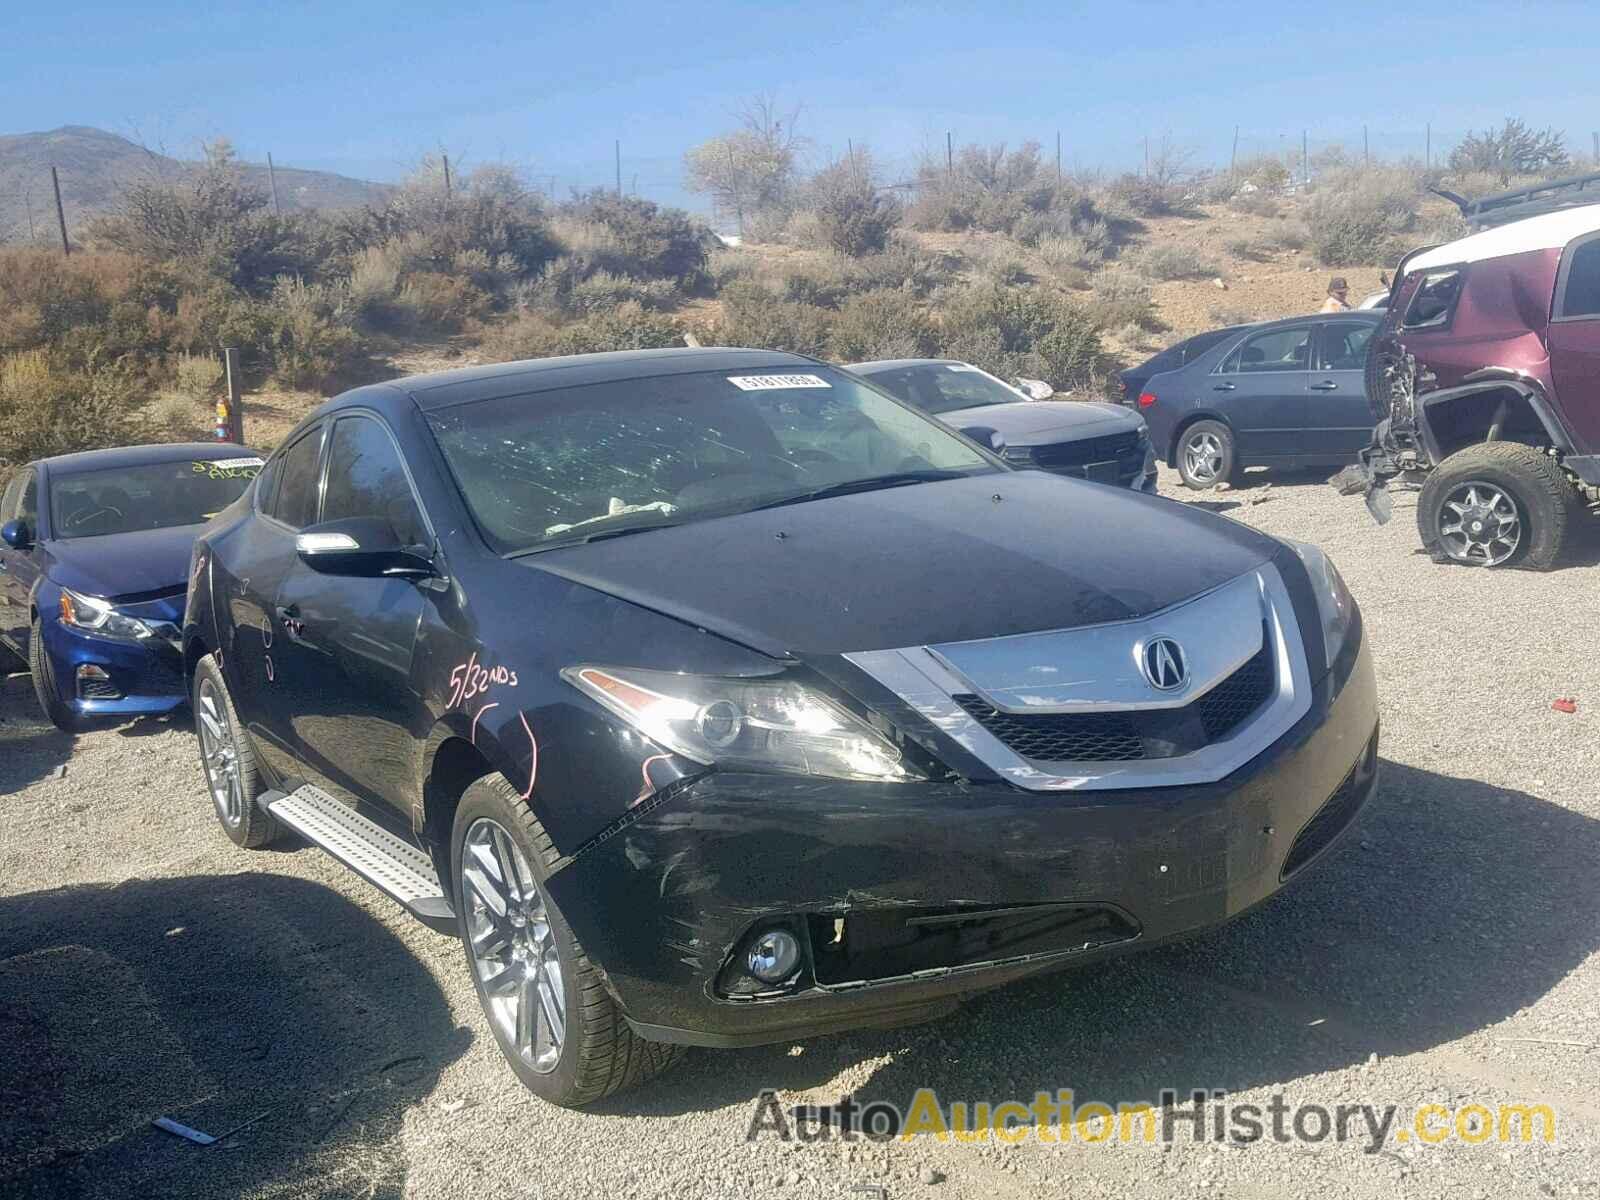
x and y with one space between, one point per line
1035 389
16 534
985 436
365 547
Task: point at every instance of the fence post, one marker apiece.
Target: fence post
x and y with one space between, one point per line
272 184
61 214
619 168
949 156
446 159
230 426
1233 157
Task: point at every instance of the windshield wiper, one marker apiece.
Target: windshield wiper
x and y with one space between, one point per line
583 539
872 483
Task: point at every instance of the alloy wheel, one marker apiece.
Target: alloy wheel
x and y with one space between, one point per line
1202 456
512 946
219 754
1480 524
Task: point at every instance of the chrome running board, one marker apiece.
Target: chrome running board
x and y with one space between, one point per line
391 864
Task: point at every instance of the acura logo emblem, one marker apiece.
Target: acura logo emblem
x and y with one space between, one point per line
1164 665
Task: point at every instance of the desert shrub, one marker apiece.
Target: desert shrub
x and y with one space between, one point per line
853 217
1358 218
440 302
941 210
824 280
1150 197
885 323
1021 331
1221 315
727 266
307 332
755 318
1248 248
1171 262
1121 297
998 262
528 334
49 407
627 326
197 376
643 239
1266 171
603 291
1255 204
177 415
905 265
375 282
1286 235
1066 251
1070 350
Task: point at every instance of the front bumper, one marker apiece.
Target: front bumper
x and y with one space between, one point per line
663 902
140 678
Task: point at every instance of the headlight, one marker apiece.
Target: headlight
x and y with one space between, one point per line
1144 434
756 724
1334 603
97 616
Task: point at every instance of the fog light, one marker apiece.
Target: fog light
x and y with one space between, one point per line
773 956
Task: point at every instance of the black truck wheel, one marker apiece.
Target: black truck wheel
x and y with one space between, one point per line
1496 504
546 1002
44 683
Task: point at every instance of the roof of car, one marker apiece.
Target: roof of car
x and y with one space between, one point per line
1547 232
135 456
894 364
445 388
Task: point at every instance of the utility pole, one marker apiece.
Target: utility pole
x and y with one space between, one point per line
446 159
619 167
61 215
850 149
272 183
949 156
1058 158
1233 157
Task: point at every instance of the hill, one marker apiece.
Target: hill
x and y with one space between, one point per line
95 165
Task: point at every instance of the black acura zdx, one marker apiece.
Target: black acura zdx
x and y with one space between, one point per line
715 697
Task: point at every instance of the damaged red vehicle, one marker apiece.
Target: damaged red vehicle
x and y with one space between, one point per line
1485 382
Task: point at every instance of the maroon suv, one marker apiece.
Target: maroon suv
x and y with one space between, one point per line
1485 381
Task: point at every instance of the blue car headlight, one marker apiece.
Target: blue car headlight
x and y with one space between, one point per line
94 615
1335 605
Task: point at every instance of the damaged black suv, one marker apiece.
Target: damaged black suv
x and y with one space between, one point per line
715 697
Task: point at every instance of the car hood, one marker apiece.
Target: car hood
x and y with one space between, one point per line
1036 422
124 565
979 557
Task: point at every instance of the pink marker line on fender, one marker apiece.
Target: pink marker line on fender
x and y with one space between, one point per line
644 769
479 713
533 763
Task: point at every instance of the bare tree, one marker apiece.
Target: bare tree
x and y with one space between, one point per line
753 168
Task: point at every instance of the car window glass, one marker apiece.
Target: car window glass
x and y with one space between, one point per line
266 481
1274 350
296 502
366 479
1192 349
1434 300
1582 298
28 505
8 502
938 388
1344 345
146 495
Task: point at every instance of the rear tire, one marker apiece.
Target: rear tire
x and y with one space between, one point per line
57 710
229 761
1496 504
1206 455
546 1003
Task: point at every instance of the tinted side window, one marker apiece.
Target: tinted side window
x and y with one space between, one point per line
1274 350
1198 345
1344 345
8 502
366 479
1582 297
1435 300
266 482
296 502
28 505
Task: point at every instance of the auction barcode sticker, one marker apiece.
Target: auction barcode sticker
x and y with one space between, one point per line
960 367
234 463
763 383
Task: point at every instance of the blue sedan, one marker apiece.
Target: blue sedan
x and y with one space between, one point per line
94 558
1286 393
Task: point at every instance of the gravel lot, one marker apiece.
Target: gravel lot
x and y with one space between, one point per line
1445 953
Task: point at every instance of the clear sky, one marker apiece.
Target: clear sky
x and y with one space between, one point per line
365 88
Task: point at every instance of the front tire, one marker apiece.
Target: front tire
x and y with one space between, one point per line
546 1002
1206 455
1496 504
55 708
229 761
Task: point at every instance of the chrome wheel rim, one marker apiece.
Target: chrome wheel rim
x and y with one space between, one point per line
218 754
1202 457
1480 524
512 947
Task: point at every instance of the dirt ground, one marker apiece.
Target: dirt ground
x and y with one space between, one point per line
1445 953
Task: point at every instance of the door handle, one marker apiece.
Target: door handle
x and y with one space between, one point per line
289 612
1223 387
1327 385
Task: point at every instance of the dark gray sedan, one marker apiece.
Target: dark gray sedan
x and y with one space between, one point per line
1104 443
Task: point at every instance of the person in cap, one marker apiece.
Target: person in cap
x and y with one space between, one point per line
1338 295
